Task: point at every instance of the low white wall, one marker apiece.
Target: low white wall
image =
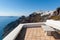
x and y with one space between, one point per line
12 35
53 24
34 24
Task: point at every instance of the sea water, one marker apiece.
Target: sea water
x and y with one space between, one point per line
4 20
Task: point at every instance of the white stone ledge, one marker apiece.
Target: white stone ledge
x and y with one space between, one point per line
33 24
12 35
53 24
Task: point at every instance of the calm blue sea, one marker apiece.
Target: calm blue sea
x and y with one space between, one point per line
4 20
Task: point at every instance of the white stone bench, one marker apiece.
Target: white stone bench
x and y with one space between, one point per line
48 30
54 24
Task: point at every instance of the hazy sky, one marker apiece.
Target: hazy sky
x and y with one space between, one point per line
25 7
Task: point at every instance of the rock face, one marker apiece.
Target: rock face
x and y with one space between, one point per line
56 14
58 10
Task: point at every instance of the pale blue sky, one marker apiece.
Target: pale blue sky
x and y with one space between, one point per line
26 7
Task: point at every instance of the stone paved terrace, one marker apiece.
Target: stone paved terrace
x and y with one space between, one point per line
37 34
34 33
